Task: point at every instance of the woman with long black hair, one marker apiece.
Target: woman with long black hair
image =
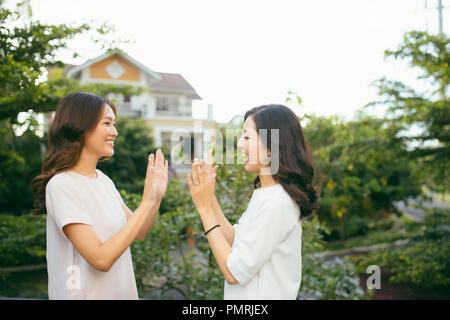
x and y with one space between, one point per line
260 256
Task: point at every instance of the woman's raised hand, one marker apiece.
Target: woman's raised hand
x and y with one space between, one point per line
201 186
156 178
209 166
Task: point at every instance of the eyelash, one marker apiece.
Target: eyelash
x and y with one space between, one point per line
107 123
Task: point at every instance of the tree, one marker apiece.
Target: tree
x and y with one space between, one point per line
362 167
428 109
20 161
27 49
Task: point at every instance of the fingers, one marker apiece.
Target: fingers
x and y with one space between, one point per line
151 159
188 177
211 171
203 172
210 157
199 172
195 173
159 162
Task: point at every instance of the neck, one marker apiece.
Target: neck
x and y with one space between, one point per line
267 181
86 165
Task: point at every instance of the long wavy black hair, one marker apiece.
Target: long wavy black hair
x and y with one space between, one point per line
295 171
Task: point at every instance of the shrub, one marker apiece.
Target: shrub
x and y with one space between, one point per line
22 239
325 280
422 263
356 226
383 225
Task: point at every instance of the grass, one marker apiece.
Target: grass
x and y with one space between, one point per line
28 284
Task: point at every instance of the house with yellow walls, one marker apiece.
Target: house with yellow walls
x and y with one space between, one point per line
166 106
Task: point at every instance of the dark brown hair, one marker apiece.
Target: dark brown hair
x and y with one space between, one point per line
77 114
295 170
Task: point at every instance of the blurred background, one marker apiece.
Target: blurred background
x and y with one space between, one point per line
368 81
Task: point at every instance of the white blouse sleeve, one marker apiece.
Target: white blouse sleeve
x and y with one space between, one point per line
64 206
257 241
118 196
114 189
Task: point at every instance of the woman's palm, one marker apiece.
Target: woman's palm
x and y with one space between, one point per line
156 178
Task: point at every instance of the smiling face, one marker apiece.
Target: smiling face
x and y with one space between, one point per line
251 146
101 140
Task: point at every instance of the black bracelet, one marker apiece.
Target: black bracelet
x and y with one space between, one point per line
217 225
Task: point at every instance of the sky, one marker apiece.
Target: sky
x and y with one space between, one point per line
245 53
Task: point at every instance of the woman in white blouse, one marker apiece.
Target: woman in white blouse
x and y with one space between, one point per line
89 227
260 256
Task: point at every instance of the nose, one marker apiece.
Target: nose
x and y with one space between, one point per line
114 132
240 143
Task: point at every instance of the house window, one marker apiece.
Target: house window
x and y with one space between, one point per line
126 99
167 104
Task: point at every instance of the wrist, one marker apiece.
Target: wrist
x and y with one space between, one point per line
209 222
204 211
147 205
159 196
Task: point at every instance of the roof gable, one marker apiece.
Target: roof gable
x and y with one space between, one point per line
174 82
117 65
101 63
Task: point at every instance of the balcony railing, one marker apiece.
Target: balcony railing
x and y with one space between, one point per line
173 113
124 109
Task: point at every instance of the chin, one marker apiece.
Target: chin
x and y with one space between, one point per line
251 168
109 153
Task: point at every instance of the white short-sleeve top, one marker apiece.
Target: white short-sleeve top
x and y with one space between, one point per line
266 251
75 198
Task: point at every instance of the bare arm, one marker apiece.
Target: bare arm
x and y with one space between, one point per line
202 192
220 246
142 234
102 255
225 225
